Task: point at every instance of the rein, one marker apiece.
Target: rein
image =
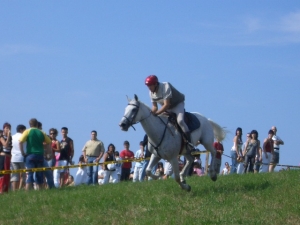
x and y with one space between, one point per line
156 147
133 117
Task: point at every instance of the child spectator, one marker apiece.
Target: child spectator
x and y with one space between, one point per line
81 175
160 170
226 170
198 169
118 165
101 176
138 167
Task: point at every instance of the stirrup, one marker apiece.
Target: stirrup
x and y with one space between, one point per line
191 147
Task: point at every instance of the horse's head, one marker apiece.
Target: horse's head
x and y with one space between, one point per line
131 114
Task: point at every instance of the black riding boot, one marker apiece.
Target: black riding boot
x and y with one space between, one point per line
189 143
188 136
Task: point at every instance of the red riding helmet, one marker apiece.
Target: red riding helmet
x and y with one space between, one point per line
150 80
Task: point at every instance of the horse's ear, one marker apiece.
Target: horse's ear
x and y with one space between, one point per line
128 99
136 97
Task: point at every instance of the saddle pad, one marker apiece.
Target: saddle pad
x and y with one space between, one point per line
191 121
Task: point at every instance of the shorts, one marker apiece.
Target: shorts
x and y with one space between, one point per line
275 158
62 163
257 165
16 176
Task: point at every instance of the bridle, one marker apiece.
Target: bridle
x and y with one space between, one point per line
130 121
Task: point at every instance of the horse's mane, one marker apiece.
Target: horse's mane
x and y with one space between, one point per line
144 104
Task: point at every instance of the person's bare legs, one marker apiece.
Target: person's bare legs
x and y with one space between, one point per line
28 186
272 167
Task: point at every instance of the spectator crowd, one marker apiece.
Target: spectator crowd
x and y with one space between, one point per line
33 148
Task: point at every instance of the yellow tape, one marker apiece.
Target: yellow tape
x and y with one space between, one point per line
70 166
97 164
260 163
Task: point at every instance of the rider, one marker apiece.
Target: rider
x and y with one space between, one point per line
170 99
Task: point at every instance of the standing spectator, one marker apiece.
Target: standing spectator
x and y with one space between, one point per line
48 155
267 153
219 152
277 142
93 151
240 168
147 159
147 156
118 165
5 154
126 166
236 149
55 145
66 154
34 152
243 146
251 151
226 169
108 167
17 160
138 167
258 160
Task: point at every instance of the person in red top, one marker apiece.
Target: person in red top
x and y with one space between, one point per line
126 166
268 149
219 152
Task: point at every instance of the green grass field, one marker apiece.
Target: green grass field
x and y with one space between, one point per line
235 199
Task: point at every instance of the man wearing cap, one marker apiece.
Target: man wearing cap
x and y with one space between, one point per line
93 151
277 142
126 166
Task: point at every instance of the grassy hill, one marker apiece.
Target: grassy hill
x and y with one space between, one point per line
236 199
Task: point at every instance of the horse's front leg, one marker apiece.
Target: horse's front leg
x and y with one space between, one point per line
175 166
153 161
212 169
189 162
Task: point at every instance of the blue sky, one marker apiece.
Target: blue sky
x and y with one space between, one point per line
72 63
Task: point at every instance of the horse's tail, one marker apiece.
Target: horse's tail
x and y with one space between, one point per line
219 132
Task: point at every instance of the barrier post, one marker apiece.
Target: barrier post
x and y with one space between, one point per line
206 162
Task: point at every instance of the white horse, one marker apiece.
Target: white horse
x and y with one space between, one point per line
165 141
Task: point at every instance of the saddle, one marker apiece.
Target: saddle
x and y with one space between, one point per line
190 119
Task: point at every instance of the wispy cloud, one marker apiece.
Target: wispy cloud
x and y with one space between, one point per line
247 30
14 49
291 22
253 24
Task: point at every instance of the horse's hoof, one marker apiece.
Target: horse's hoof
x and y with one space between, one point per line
183 182
188 188
214 178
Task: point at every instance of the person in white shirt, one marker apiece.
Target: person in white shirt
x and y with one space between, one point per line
277 142
138 167
101 174
226 169
17 159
